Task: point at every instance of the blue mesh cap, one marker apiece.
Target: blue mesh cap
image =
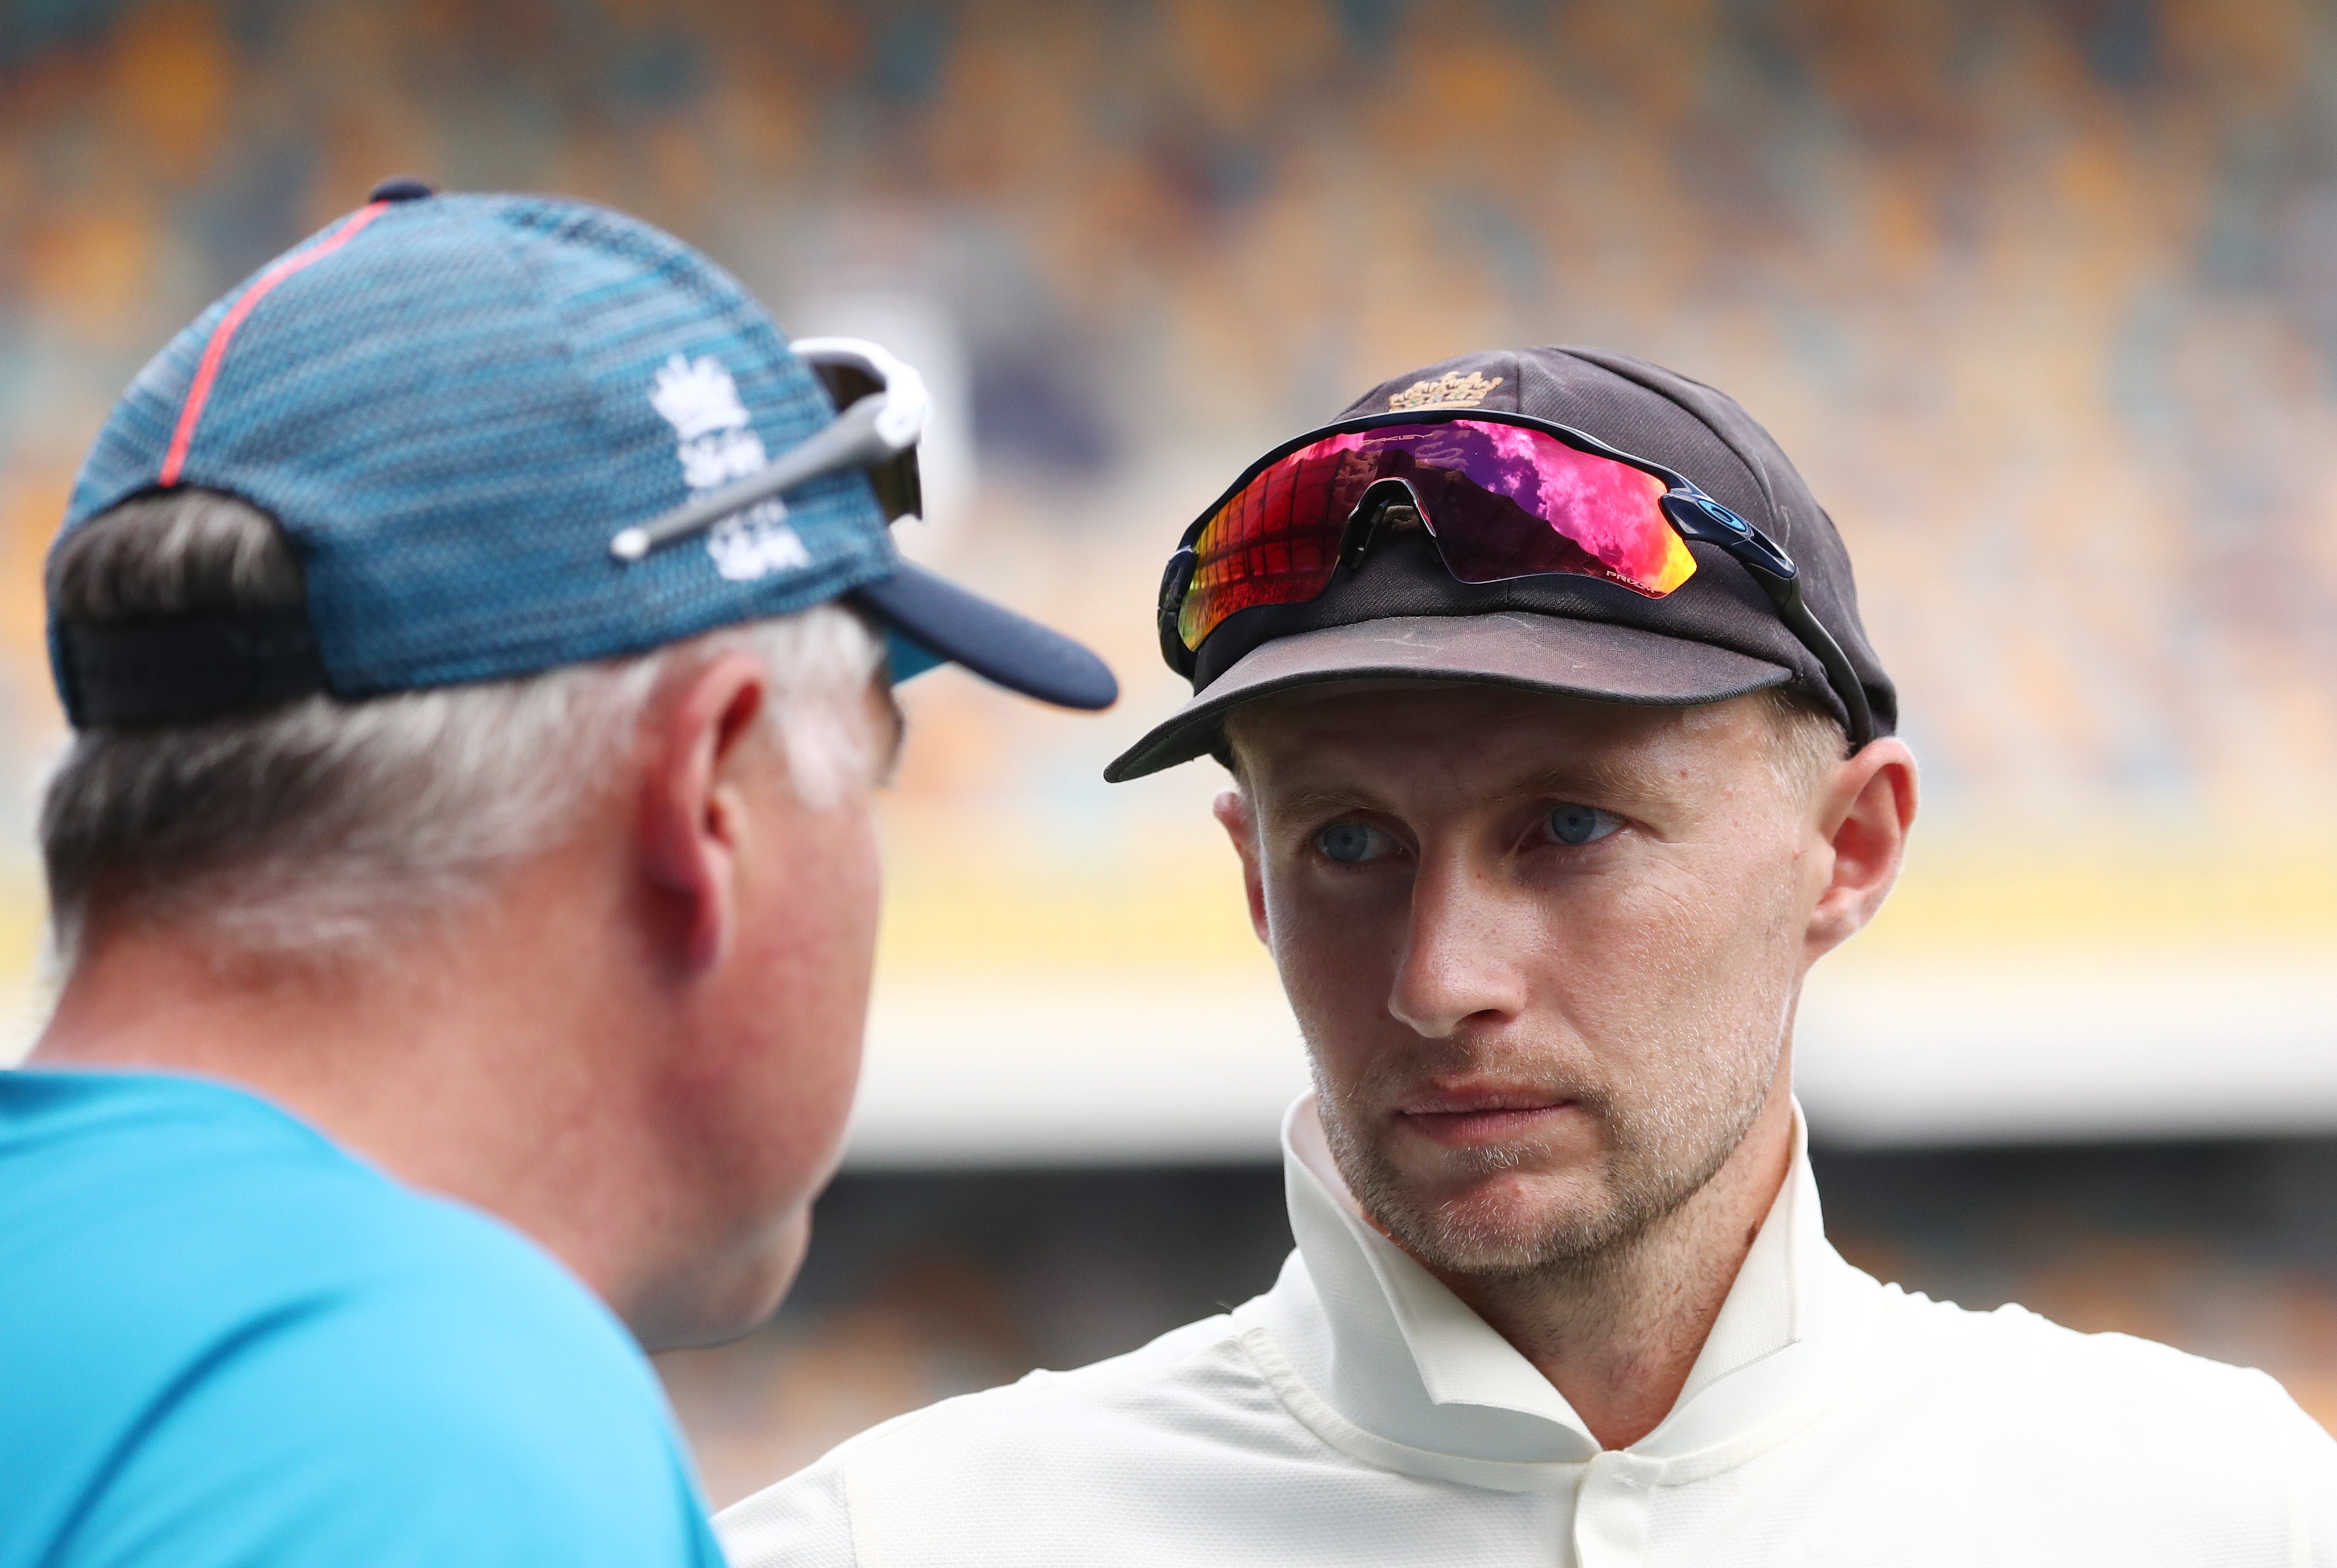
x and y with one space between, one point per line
451 403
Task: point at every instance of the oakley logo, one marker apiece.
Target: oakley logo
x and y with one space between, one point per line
1450 390
716 442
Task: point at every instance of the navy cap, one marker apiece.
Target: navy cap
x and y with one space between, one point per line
450 404
1399 614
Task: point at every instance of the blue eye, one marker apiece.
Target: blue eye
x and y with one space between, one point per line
1346 842
1574 825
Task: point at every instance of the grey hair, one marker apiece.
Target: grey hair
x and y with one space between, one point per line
304 828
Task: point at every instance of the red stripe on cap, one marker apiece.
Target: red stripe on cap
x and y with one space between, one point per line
214 351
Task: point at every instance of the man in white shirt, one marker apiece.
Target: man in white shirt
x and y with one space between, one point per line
1560 755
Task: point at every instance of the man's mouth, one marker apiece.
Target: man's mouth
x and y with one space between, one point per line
1470 1116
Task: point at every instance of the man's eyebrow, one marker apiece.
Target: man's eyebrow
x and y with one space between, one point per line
1327 801
1604 777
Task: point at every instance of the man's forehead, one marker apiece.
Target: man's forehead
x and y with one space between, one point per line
1318 737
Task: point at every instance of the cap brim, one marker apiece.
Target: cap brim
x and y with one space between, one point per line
961 628
1579 658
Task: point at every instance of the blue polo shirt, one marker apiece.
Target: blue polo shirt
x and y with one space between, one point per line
223 1341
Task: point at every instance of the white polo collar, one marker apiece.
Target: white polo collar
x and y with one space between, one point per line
1394 1365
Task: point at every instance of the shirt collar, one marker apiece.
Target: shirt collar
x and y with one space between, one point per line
1390 1349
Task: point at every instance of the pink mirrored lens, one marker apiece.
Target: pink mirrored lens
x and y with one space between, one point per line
1502 501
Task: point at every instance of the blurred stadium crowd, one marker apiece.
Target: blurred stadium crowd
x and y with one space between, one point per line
2042 294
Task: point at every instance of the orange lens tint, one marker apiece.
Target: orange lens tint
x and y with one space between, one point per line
1274 543
1501 502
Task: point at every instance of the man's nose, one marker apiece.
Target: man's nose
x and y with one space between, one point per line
1468 931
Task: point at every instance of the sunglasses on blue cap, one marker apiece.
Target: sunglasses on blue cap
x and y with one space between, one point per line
881 412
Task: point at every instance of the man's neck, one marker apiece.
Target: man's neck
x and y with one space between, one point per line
1619 1332
485 1088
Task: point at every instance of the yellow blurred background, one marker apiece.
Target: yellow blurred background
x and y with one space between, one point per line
2040 294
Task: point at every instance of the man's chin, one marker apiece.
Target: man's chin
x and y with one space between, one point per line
718 1299
1504 1222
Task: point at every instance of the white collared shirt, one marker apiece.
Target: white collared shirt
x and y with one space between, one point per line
1358 1413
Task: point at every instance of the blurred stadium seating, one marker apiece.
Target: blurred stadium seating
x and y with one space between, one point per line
2042 294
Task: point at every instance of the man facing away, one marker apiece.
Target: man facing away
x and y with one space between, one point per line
1560 755
474 629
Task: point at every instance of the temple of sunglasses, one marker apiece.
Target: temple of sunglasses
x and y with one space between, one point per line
1699 517
1502 496
883 409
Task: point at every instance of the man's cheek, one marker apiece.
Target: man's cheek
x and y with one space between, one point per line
1342 978
1333 1007
1661 933
1306 939
1631 978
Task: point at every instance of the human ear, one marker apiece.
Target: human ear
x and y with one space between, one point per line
1863 817
693 815
1232 809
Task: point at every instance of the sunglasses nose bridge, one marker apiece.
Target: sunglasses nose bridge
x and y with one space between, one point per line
1380 498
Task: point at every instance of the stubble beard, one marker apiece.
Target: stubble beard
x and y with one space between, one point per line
1657 1149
